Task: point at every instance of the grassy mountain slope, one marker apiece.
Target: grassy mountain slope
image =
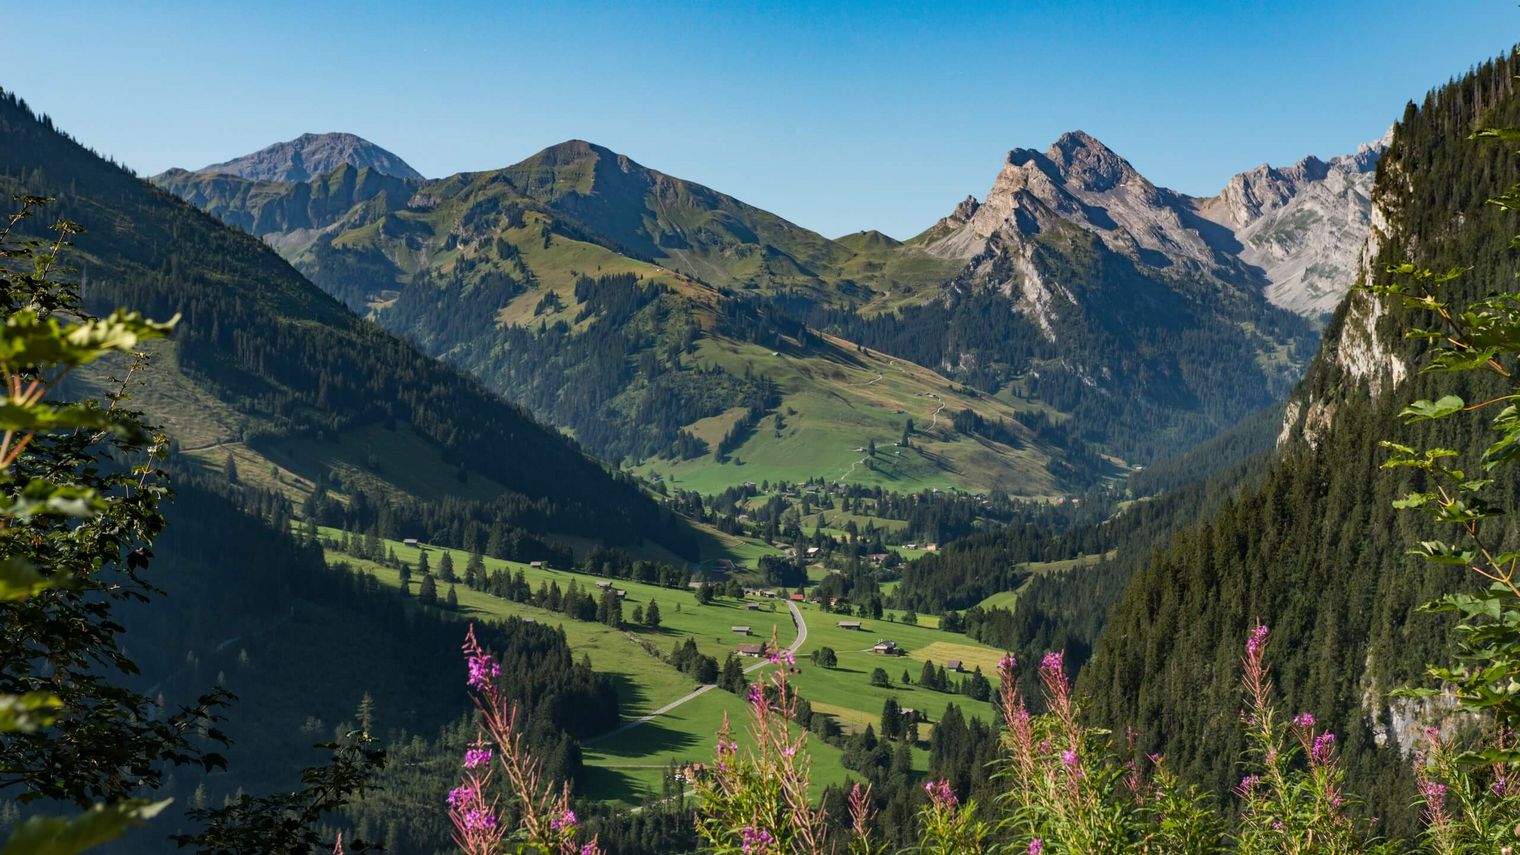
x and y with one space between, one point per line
270 369
1316 550
562 282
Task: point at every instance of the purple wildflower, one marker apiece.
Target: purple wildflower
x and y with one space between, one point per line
563 822
1053 662
1324 744
460 796
1069 758
756 840
1257 640
1248 785
1007 664
483 669
941 794
1036 846
478 819
1304 720
474 758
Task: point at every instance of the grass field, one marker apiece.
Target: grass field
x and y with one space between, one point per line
630 766
836 398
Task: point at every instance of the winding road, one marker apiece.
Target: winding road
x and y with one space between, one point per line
802 632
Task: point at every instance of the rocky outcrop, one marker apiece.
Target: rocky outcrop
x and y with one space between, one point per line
1302 226
310 155
1293 232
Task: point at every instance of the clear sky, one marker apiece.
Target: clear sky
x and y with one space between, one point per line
840 116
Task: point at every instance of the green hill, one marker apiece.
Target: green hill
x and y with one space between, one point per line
273 375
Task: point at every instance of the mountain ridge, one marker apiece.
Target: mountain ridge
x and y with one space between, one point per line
311 155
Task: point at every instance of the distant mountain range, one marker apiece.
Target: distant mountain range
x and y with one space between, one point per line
1079 304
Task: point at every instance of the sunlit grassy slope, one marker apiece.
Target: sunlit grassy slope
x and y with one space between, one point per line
630 766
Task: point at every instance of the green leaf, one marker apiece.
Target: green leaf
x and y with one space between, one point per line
19 579
28 713
1421 411
46 835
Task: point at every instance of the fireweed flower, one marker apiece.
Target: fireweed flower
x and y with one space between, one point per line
756 840
1324 745
1247 787
478 819
1304 720
1053 662
1256 641
483 669
1069 758
563 822
1007 664
461 796
474 758
941 794
1036 846
756 696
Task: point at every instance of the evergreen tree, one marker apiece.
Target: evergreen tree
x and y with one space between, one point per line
427 591
453 599
652 615
891 719
446 568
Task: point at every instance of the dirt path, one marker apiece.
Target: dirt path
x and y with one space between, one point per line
802 632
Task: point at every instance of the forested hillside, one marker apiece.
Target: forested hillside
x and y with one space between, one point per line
272 382
1316 550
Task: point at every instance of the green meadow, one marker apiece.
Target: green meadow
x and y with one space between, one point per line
630 766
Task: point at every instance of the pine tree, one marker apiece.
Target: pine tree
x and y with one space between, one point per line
365 714
453 599
427 592
229 469
446 568
652 615
475 571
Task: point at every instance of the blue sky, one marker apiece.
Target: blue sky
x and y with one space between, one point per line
840 116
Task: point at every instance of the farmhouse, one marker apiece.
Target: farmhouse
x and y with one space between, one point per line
887 648
741 630
849 624
604 585
410 541
756 649
536 565
797 598
953 666
752 607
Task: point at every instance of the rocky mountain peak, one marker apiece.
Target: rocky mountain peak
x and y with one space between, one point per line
310 155
1089 164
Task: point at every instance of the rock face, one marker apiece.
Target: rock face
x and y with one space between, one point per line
310 155
1295 233
1303 226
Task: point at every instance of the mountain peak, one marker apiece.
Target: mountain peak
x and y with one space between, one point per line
1088 163
310 155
